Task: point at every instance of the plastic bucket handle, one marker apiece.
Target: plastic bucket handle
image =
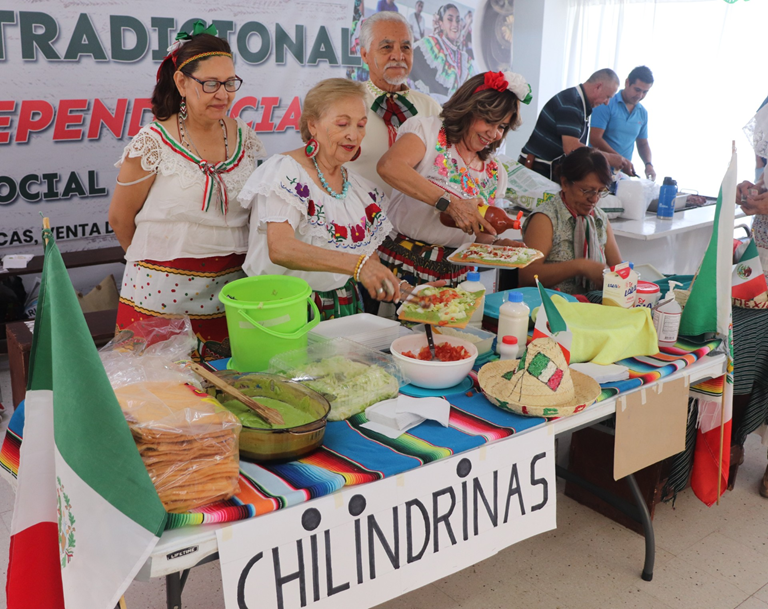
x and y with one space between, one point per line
293 335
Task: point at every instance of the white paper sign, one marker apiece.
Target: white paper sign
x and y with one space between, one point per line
367 544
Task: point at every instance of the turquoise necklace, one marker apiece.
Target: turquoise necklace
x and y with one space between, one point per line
328 189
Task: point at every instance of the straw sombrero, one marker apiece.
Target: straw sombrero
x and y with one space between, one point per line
539 384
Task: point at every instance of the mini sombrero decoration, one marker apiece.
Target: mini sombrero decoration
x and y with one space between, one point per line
539 384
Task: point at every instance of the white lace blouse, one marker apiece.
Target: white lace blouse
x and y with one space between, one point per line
172 223
281 190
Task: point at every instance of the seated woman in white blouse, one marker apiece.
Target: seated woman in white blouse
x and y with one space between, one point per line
447 163
313 218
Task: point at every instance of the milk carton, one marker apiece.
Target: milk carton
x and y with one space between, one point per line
620 286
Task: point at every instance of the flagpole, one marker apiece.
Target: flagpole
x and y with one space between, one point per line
722 411
46 225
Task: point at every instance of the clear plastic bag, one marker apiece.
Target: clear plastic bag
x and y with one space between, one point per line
187 440
151 350
351 376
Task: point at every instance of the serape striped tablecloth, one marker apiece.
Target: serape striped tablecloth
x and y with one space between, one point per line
353 455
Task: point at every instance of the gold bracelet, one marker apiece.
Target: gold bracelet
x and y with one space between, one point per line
357 266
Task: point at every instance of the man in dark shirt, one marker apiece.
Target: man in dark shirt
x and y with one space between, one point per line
563 124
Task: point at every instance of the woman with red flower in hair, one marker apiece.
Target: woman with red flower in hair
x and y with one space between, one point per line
312 217
446 164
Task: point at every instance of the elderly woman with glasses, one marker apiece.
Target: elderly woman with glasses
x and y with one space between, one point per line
573 233
175 209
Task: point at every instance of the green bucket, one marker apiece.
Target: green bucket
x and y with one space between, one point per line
266 316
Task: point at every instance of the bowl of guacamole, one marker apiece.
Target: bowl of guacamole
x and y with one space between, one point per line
304 412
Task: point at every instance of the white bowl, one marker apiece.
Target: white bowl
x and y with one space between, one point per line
434 374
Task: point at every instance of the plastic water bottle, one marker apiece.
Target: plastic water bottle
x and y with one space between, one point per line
513 320
473 284
667 194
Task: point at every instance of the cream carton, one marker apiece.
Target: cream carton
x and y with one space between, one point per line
620 286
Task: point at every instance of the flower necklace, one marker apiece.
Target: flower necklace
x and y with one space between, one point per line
327 187
448 167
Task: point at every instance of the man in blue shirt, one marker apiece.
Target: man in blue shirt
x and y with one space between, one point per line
563 123
616 127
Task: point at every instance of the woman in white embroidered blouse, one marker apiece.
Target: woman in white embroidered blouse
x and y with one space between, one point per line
175 208
447 163
312 217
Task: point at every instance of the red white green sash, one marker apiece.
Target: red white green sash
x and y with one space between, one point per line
215 188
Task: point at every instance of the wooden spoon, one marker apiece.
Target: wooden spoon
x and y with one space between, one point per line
270 415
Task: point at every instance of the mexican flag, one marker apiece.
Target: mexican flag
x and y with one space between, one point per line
550 323
708 310
748 279
77 537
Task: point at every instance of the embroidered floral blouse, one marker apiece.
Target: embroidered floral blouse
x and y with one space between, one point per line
443 166
281 190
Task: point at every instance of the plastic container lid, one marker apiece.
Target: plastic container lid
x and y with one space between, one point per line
509 340
647 287
515 297
531 298
473 276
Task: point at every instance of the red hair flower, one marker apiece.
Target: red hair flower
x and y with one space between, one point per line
494 80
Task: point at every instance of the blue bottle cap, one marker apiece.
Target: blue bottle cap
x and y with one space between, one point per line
515 297
473 276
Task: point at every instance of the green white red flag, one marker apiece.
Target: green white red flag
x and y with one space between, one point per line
708 310
549 322
77 537
748 279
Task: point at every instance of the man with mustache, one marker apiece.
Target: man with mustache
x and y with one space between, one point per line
386 46
617 126
563 124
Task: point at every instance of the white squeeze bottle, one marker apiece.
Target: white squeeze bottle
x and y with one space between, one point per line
509 348
513 320
473 284
666 318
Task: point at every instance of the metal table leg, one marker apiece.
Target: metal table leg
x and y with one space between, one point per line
638 512
645 520
174 586
175 582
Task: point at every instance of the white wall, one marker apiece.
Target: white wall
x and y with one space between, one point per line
538 53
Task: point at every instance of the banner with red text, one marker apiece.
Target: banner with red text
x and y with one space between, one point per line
80 77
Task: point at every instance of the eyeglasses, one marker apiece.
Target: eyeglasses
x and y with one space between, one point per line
591 193
211 86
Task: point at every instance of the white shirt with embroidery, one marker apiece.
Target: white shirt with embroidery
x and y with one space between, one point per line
172 223
420 221
281 190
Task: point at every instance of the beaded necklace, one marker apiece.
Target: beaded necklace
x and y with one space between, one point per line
186 138
327 187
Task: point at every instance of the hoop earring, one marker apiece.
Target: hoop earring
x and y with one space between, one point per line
312 148
357 154
183 109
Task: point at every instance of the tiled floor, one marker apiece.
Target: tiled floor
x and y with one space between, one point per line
707 558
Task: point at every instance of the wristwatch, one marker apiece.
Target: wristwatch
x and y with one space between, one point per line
442 203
